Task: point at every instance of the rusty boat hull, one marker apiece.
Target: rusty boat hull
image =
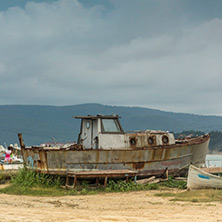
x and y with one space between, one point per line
145 161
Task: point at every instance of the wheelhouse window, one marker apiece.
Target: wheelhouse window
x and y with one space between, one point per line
110 126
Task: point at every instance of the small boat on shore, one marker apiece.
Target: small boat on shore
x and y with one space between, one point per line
104 146
200 179
15 162
10 166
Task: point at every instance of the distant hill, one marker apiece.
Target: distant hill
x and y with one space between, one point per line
40 123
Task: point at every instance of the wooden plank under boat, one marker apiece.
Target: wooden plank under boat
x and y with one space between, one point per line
199 179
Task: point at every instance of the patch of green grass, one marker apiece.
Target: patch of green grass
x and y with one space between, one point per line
211 205
154 203
121 186
171 183
36 191
195 196
29 182
29 178
2 177
165 194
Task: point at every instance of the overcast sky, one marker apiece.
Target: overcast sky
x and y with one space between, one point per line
161 54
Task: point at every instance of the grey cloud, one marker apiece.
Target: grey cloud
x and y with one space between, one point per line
147 53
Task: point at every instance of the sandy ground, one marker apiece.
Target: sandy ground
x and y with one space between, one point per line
133 206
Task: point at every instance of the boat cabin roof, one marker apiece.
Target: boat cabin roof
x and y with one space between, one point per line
114 116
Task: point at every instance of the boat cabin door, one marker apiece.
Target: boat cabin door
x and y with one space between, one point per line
89 133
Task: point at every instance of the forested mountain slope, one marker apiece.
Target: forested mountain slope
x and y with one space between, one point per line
40 123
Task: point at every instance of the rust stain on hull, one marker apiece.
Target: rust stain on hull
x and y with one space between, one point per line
138 166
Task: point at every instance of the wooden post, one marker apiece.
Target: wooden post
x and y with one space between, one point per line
75 181
165 174
67 180
97 181
135 178
21 140
105 182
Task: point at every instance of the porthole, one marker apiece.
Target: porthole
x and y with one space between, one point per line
150 140
165 139
133 141
87 125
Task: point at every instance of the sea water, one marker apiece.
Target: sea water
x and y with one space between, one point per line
213 160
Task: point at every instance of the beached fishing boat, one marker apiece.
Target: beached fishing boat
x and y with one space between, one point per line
103 146
199 179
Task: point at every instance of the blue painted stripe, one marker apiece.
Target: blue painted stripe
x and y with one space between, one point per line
203 177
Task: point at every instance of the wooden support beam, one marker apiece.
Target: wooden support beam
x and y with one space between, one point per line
105 181
67 180
75 181
97 181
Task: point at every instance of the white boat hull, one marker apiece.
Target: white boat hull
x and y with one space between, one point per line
199 179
